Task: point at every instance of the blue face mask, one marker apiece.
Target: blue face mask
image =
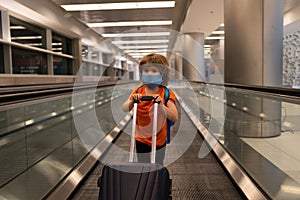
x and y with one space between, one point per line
151 80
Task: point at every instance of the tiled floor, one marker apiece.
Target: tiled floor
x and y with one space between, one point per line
283 151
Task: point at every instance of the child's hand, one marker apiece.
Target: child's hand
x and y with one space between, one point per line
136 97
157 98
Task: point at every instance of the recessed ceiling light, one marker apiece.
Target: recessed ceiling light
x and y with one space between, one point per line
34 44
218 32
135 34
26 37
144 47
131 23
56 49
146 51
215 38
141 55
140 41
117 6
17 27
137 54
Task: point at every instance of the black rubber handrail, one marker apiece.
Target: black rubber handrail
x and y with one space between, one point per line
292 92
269 89
45 91
39 87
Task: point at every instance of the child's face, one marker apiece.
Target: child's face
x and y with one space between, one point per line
151 70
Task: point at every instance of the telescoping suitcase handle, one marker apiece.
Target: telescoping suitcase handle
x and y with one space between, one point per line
154 132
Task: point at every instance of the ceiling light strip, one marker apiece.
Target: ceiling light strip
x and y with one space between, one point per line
135 34
118 6
34 44
140 41
131 23
146 51
144 47
26 37
142 54
139 56
17 27
218 32
215 38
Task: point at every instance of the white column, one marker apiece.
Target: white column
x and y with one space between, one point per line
253 56
193 56
253 42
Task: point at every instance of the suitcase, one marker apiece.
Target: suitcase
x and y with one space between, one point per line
136 181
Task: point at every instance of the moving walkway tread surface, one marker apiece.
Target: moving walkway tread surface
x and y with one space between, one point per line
192 177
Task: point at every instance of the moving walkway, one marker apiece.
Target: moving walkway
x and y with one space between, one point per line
45 142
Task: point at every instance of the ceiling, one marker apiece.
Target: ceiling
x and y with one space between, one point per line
156 37
185 16
288 4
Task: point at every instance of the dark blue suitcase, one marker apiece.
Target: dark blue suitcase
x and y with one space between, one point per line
136 181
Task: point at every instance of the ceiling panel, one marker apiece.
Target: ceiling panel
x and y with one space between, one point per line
126 29
60 2
125 15
288 4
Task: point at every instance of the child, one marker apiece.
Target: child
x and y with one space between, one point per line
155 76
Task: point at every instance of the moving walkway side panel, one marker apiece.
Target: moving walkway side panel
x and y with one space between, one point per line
39 142
260 132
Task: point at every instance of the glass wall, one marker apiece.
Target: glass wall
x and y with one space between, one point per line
107 58
28 62
93 61
31 53
62 66
61 44
261 132
28 34
42 141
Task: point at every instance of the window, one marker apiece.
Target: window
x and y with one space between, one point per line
95 55
28 34
62 66
28 62
61 44
85 52
107 58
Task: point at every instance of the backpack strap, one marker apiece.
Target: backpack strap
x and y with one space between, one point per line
137 90
169 122
166 95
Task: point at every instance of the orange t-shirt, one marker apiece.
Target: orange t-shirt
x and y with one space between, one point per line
144 125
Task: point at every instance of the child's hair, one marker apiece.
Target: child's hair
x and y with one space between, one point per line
158 61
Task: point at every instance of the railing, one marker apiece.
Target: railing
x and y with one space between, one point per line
39 141
260 129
